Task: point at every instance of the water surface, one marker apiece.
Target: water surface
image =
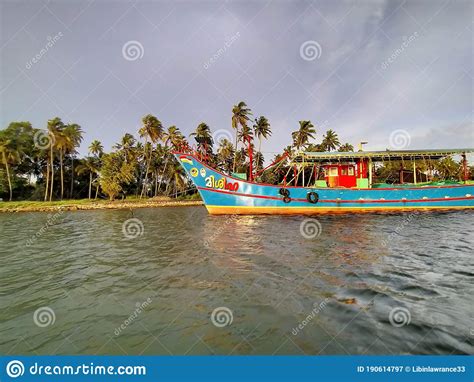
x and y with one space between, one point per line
366 284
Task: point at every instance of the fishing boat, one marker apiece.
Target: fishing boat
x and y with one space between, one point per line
331 182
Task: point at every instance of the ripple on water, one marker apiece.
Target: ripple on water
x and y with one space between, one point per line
338 289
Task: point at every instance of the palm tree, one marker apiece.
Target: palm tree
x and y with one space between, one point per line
315 147
330 141
69 139
55 128
246 134
126 145
10 154
173 136
302 136
115 172
346 147
96 148
152 129
261 130
90 165
259 160
203 137
225 154
240 117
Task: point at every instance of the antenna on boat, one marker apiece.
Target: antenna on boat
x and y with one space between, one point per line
361 144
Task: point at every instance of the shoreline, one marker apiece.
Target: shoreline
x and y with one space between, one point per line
86 205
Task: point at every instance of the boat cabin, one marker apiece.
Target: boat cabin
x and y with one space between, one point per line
357 169
340 174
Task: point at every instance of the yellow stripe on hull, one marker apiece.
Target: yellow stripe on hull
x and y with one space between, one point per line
252 210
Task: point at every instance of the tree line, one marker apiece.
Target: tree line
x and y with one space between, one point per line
43 164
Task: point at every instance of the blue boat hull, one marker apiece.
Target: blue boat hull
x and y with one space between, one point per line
223 194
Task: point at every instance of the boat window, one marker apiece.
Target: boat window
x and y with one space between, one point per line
351 171
333 171
343 171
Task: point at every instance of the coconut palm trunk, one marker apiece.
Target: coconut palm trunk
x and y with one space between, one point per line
235 152
163 173
7 168
62 172
146 177
72 178
52 173
90 184
47 181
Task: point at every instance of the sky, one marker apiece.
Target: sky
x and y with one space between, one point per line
396 74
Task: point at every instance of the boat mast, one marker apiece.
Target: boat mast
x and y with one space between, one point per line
464 166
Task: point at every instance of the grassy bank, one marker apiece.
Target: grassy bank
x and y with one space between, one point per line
86 204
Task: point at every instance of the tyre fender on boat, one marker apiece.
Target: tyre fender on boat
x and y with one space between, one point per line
286 199
312 197
284 192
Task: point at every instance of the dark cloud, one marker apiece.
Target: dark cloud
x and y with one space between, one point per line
377 66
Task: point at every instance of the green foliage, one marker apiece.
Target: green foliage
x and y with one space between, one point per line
146 167
115 173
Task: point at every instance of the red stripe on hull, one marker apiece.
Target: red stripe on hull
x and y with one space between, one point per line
338 201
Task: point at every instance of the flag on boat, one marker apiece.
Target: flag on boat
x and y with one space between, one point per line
185 159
